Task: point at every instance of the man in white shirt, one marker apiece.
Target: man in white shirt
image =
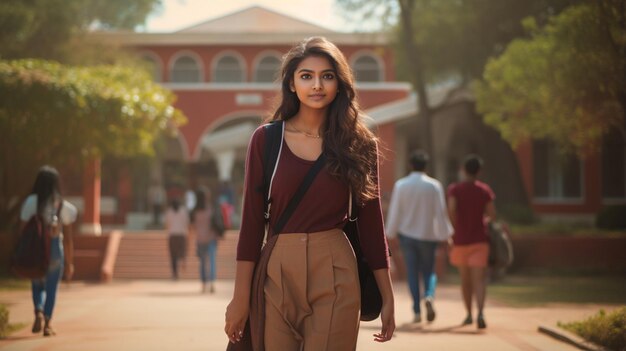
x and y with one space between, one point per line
418 219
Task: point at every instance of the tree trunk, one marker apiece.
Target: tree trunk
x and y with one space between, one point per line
415 66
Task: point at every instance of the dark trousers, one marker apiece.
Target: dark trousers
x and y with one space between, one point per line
419 256
178 248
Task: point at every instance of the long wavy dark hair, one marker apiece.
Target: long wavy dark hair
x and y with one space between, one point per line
350 147
47 186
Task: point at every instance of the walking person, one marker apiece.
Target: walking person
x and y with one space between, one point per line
471 206
206 237
418 221
177 225
46 201
311 292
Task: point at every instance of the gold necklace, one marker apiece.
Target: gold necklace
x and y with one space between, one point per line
303 132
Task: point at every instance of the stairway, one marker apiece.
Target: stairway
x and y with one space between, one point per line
145 255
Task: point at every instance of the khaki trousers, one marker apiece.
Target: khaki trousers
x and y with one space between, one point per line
312 294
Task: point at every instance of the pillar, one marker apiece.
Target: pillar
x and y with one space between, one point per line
91 199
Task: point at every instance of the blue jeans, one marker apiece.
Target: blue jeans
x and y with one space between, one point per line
204 251
419 256
44 290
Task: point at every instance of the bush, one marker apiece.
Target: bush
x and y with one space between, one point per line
4 321
608 330
516 213
612 217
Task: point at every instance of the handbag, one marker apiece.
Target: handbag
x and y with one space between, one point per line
371 300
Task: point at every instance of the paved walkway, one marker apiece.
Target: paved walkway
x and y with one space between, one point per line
167 315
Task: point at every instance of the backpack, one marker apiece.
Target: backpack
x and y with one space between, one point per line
32 253
500 247
217 221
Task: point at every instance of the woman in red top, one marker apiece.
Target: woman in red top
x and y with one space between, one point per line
470 205
312 287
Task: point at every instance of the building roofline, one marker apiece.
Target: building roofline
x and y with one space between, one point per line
236 12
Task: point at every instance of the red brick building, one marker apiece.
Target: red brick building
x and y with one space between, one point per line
223 71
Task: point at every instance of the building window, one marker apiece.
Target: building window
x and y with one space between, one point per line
267 69
186 70
614 165
557 176
228 70
367 69
153 66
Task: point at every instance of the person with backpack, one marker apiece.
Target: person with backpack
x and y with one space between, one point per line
207 229
311 291
471 206
56 216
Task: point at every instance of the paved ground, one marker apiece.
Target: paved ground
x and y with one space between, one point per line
167 315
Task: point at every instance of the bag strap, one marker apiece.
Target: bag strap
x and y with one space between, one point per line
302 189
274 133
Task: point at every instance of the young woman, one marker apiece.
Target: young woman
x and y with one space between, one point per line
206 238
312 298
177 225
471 206
45 200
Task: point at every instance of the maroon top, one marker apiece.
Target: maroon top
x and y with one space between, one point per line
323 207
471 200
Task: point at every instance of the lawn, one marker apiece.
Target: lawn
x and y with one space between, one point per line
522 291
9 284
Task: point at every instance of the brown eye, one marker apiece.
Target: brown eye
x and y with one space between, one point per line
305 76
329 76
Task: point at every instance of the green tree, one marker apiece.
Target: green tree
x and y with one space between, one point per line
448 40
54 29
51 113
567 82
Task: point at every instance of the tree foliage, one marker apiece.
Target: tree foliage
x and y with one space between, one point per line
567 82
51 113
52 29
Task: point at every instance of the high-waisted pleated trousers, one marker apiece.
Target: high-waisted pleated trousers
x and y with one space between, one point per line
312 294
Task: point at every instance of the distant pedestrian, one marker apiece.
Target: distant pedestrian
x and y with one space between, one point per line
156 198
202 218
417 218
45 200
471 206
177 225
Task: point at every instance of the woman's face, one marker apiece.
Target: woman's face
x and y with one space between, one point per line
315 82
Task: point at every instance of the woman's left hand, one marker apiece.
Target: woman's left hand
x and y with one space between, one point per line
387 316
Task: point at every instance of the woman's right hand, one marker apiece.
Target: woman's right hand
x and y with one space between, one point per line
236 317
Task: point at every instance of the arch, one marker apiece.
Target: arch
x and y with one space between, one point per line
224 122
266 67
368 66
155 62
228 67
186 67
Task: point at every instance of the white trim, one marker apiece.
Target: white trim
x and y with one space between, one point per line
127 38
382 68
259 57
157 59
221 121
189 53
248 86
239 57
558 201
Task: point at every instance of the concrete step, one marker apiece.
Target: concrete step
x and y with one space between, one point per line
146 255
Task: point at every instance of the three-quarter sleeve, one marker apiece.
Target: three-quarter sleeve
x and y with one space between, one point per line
372 231
252 219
